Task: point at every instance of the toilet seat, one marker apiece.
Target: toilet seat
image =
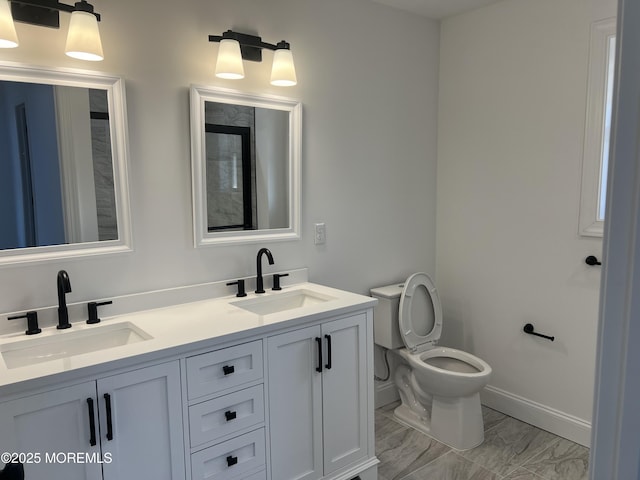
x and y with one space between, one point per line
418 333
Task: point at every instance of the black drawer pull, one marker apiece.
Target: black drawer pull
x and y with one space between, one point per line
229 415
107 402
228 369
92 423
231 460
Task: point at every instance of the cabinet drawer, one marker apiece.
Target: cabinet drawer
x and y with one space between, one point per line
231 458
224 415
227 368
262 475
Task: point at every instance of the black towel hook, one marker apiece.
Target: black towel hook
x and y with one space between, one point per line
592 261
528 328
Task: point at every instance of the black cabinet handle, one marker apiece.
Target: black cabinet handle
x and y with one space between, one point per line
231 460
92 423
229 415
328 364
107 403
228 369
319 344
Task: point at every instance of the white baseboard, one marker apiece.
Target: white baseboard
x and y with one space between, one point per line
542 416
385 393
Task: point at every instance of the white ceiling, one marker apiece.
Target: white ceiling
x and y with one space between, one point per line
436 8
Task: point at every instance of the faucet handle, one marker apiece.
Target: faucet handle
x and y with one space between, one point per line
32 322
276 280
92 307
240 283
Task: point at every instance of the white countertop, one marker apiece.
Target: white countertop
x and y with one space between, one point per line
175 330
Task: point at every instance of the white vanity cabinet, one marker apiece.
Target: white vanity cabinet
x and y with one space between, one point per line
137 428
50 423
227 413
319 401
146 420
218 392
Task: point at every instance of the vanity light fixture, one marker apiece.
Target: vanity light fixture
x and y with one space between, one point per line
83 38
236 46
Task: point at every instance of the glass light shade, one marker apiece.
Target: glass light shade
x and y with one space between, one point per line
83 39
229 63
8 36
283 71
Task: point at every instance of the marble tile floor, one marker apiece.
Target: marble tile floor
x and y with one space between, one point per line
512 450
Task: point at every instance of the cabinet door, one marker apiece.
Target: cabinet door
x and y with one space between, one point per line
295 409
141 424
48 428
344 392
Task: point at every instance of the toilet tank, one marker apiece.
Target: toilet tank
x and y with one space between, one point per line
386 332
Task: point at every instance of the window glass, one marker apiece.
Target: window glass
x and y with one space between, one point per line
604 164
595 162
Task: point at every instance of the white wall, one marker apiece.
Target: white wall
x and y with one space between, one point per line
369 141
511 121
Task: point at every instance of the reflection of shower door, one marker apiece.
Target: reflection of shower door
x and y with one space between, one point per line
228 177
28 208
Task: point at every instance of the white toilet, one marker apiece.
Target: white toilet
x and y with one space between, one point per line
439 386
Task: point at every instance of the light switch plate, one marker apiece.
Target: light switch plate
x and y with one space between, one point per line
320 236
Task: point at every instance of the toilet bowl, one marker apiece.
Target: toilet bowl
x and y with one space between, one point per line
439 386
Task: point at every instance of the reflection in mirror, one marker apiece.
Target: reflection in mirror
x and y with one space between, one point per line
46 207
246 164
246 167
63 188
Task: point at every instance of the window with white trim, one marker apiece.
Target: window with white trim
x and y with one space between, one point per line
595 161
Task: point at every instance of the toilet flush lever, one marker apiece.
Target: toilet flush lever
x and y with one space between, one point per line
528 328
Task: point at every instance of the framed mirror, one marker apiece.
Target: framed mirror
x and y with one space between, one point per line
63 158
245 159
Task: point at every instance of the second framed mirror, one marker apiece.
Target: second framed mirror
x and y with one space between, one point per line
245 166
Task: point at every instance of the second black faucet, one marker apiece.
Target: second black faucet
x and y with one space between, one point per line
64 287
259 281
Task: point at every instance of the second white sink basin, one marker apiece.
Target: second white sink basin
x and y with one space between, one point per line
68 344
279 302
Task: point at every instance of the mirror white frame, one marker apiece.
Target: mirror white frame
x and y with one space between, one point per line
16 72
200 95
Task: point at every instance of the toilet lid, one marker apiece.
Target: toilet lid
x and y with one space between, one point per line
420 315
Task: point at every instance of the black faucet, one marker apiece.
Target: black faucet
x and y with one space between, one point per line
64 286
259 282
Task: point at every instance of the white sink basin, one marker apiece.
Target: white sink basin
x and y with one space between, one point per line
279 302
70 343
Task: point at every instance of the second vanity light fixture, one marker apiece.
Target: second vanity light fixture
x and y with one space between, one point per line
83 38
236 46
